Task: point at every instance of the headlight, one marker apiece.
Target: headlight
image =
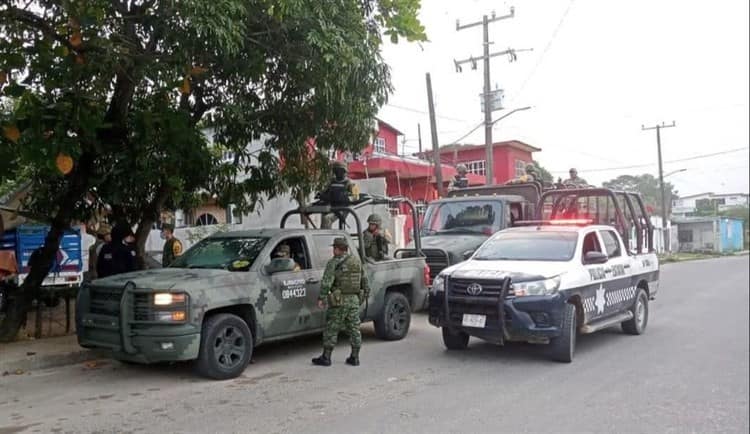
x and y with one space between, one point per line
537 287
438 284
167 299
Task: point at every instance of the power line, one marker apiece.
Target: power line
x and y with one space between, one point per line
544 52
414 110
636 166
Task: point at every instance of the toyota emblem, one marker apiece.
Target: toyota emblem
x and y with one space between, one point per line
474 289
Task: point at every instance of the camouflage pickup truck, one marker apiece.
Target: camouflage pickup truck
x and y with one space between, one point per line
230 293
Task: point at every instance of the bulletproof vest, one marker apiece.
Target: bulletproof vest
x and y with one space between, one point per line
460 182
337 193
168 254
348 275
376 247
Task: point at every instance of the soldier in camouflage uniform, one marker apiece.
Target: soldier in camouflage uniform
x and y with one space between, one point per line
343 288
340 192
376 242
172 246
574 180
459 179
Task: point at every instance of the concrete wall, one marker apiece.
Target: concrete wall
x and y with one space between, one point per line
704 236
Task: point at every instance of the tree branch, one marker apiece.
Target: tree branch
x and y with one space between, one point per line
36 22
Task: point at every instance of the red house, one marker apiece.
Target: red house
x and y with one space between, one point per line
509 158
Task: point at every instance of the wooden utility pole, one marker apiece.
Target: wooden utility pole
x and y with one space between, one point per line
433 133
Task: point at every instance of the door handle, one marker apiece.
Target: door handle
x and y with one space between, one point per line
626 266
312 280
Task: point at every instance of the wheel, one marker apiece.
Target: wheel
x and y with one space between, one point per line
393 323
455 339
561 348
226 347
637 325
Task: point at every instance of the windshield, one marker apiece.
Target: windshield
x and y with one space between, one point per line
220 252
529 246
473 217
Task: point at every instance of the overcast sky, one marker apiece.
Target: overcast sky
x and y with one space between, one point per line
599 70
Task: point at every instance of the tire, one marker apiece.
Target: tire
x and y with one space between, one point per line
637 325
392 324
226 347
455 339
562 348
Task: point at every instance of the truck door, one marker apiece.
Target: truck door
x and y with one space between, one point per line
620 289
294 289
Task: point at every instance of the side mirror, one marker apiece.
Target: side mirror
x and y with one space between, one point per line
280 265
467 254
239 265
595 258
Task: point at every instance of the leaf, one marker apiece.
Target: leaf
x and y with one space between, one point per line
185 88
198 70
75 39
12 133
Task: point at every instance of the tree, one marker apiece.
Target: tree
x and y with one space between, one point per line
544 173
109 98
648 186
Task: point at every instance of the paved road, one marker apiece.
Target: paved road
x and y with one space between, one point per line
688 373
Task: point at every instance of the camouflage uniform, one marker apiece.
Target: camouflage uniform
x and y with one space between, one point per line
376 245
459 180
341 191
172 247
343 288
574 180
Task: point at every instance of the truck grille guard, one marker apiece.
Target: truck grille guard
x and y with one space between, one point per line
496 299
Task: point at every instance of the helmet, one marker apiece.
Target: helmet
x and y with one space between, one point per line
374 219
461 169
339 165
573 170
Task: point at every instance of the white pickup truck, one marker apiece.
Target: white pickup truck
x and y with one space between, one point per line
543 283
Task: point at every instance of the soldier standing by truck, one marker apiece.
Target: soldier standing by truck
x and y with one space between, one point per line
103 236
342 290
340 192
172 246
376 243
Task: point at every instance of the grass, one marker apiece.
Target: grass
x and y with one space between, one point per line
689 256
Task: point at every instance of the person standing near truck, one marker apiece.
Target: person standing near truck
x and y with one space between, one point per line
118 256
376 242
343 288
172 246
103 236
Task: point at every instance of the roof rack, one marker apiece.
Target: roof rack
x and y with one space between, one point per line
557 222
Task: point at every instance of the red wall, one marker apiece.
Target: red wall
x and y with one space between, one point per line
390 137
503 160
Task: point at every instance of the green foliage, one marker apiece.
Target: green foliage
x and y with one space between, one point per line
648 186
544 173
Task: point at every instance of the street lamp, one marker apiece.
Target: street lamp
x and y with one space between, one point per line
673 172
509 113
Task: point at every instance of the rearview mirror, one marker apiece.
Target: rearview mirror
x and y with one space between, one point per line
280 265
595 258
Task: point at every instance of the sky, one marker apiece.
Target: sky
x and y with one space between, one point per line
598 72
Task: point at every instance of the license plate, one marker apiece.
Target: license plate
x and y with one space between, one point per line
474 320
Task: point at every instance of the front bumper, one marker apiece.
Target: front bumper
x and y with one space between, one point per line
527 319
111 327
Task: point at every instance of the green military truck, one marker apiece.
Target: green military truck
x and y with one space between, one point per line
229 293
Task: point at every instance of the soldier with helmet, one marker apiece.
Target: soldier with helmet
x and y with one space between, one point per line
340 192
459 179
530 175
375 241
574 180
343 289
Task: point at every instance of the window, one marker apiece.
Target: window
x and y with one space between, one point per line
380 145
298 249
322 244
529 246
685 236
476 167
468 217
590 244
520 168
206 219
233 215
219 252
611 244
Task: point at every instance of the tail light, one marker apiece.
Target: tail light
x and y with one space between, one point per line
426 275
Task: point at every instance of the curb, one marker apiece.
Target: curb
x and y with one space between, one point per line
37 362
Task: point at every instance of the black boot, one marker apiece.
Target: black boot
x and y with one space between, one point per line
353 359
324 359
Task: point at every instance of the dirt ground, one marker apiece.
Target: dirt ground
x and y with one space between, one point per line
53 321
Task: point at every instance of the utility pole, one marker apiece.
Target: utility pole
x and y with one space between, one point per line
487 93
435 145
419 137
657 127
